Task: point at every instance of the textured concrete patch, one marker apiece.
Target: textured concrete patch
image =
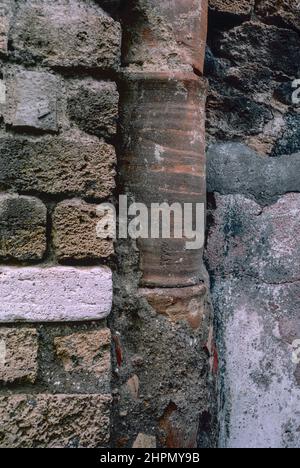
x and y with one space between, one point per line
22 228
254 258
54 294
20 351
32 100
163 366
260 390
260 242
66 34
235 168
54 421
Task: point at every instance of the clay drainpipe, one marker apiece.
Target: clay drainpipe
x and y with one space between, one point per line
163 120
163 156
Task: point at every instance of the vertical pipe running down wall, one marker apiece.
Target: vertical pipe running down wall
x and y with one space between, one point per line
163 156
162 159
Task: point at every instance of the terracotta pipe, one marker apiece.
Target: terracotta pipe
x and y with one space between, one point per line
165 33
163 120
163 161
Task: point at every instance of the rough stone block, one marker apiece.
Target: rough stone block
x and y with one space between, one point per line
54 294
85 352
75 234
289 141
75 165
32 100
3 32
66 33
240 8
252 42
93 106
284 13
22 228
54 421
18 356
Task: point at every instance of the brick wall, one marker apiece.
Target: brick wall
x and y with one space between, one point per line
58 111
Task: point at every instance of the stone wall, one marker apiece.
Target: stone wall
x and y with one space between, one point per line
75 372
252 248
59 111
115 344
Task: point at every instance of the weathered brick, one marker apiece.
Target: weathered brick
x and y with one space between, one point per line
66 33
93 106
86 352
22 227
18 359
54 294
75 234
54 421
32 100
74 165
